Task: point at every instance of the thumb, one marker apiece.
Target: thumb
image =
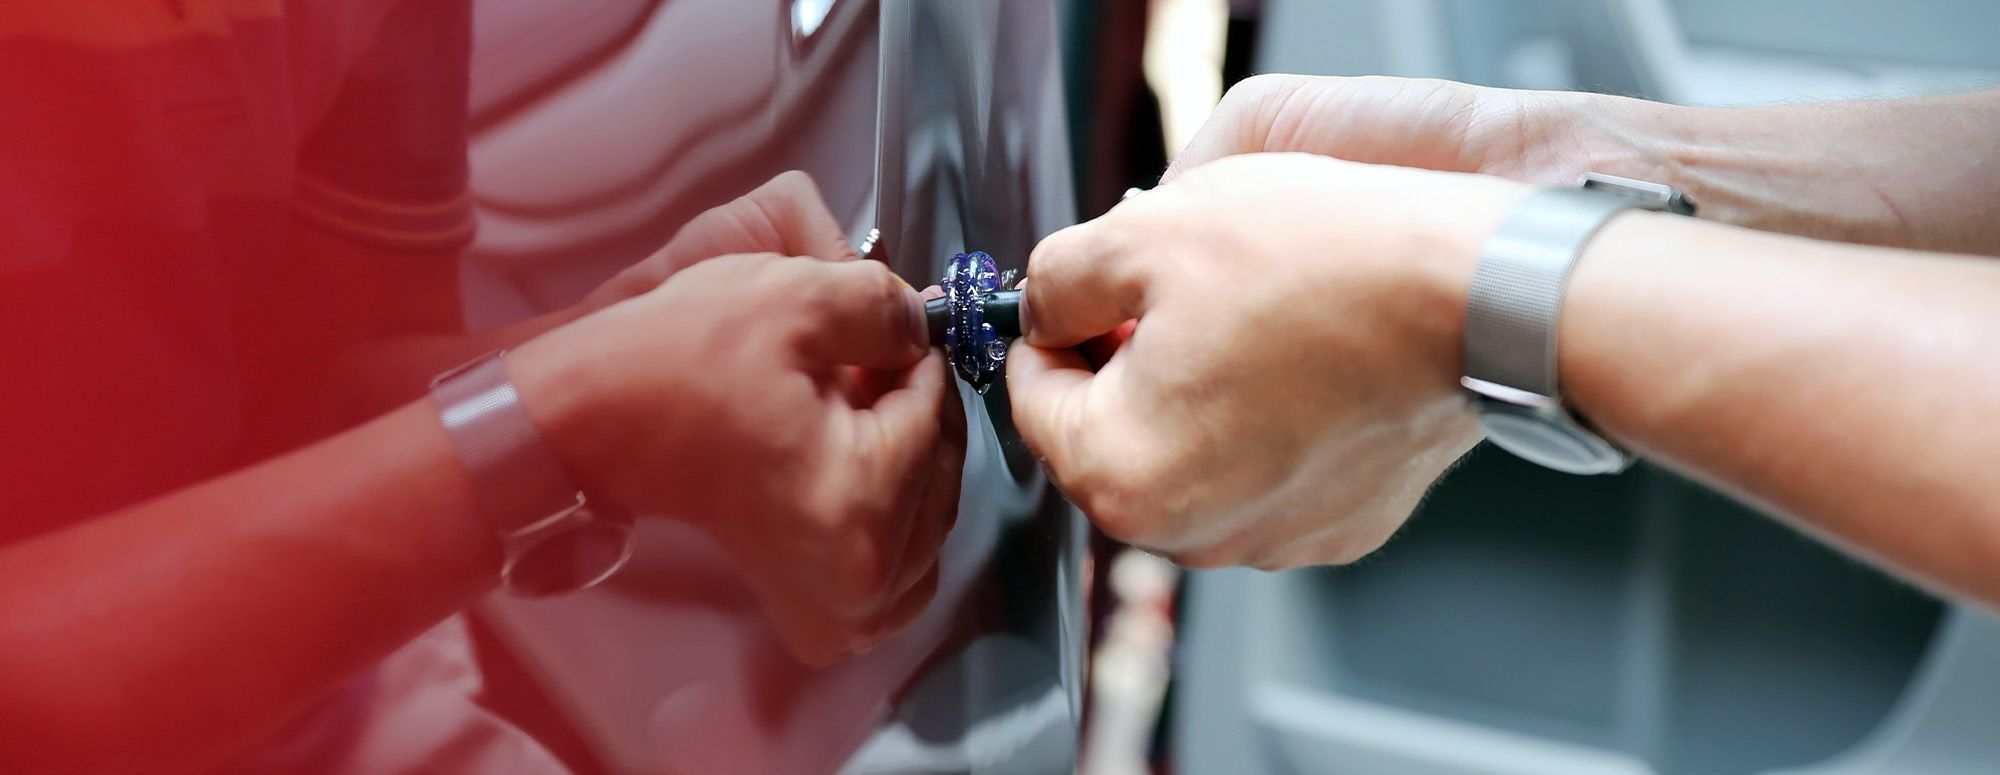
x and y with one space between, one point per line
1084 282
1049 389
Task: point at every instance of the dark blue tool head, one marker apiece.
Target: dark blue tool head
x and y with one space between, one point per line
976 349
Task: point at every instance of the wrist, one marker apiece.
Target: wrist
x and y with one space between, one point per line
1454 238
1803 169
1633 138
576 416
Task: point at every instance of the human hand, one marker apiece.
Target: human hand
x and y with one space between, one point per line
789 407
1847 171
786 215
1291 387
1542 137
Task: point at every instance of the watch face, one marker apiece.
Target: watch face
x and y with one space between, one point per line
1547 438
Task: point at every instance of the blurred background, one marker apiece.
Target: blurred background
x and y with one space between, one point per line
1528 622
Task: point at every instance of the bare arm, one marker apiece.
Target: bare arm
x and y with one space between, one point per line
174 634
1298 417
1916 173
169 635
1855 390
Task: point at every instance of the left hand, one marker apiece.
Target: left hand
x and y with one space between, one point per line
1291 387
787 406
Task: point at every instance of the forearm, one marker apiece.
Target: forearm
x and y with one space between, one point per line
1853 389
177 632
378 375
1913 173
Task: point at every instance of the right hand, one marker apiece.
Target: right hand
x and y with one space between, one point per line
1293 419
792 409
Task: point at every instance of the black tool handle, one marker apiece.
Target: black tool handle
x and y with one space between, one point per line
1003 312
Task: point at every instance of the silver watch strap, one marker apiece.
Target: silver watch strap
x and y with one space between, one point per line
516 477
1517 289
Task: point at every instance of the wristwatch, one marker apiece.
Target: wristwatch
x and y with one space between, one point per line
564 543
1511 314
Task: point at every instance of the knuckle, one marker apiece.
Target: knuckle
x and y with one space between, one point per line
1077 254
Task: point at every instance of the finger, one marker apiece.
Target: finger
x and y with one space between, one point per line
785 215
936 509
797 211
899 436
859 313
889 448
1083 283
908 421
1049 390
1241 122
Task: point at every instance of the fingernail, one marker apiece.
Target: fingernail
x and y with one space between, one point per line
920 332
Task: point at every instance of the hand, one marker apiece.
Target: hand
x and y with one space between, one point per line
1547 138
787 216
789 407
1291 387
1840 171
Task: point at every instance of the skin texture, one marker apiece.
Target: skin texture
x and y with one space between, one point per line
1269 384
1287 327
1903 173
822 447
